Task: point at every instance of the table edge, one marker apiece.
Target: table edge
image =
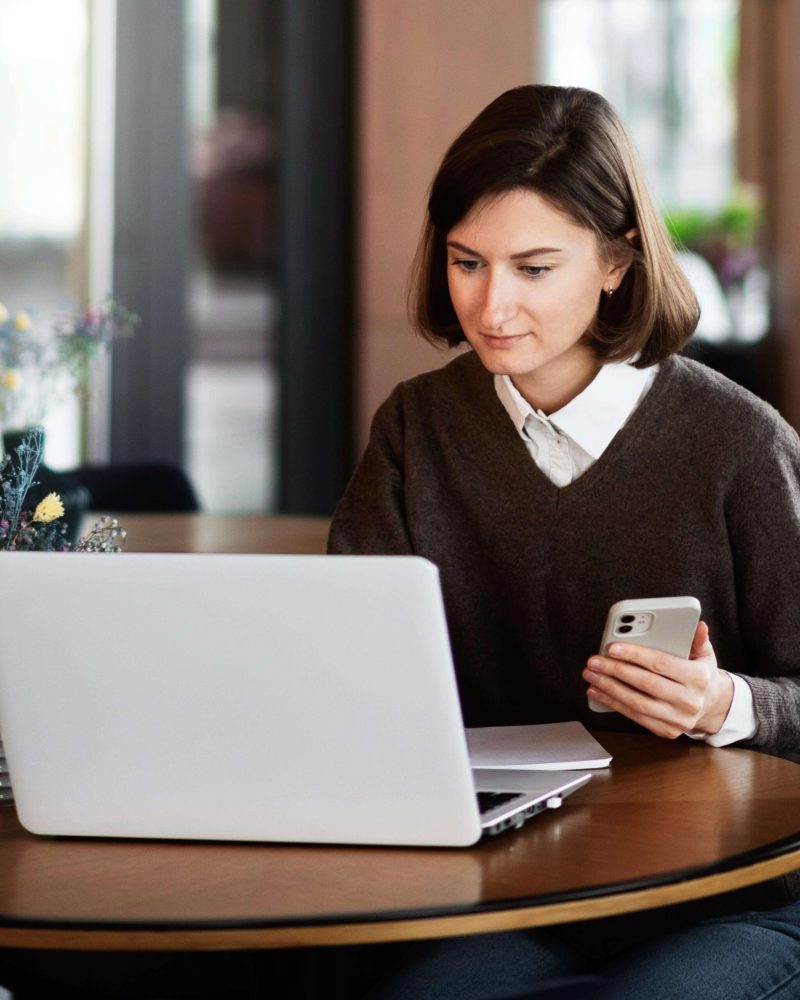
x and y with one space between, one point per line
237 935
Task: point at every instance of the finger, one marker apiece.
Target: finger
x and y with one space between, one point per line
701 645
661 662
655 660
648 693
607 674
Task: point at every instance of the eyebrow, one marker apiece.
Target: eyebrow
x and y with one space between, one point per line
534 252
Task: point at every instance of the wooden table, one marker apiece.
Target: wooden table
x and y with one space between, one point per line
667 822
222 533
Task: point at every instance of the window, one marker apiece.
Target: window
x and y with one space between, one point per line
44 260
669 69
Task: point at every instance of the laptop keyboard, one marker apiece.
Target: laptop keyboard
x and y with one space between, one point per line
491 800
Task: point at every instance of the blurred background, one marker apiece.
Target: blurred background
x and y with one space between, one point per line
249 177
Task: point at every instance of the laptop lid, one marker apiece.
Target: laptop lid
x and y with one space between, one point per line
235 697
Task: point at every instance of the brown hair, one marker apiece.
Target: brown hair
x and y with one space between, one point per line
568 145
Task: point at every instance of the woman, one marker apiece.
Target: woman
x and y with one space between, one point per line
572 459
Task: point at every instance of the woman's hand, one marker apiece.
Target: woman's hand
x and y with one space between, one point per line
664 693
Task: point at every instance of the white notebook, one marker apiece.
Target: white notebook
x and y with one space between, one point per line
558 746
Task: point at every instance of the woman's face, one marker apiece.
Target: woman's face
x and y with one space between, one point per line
525 282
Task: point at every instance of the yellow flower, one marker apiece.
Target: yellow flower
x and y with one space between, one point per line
49 509
11 380
22 321
4 313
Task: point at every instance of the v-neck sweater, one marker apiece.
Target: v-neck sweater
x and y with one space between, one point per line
697 494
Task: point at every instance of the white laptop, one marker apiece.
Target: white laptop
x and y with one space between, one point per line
240 697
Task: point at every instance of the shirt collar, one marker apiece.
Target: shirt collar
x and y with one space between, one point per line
595 415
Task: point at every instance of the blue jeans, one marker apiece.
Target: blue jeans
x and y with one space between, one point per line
709 950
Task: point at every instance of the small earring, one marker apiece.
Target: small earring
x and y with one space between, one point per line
610 290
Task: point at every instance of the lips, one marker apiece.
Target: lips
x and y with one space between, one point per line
503 342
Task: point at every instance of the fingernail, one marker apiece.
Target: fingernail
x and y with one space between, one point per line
616 649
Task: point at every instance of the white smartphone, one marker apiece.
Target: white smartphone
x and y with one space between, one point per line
665 623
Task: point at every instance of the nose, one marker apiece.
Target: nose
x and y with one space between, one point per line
498 306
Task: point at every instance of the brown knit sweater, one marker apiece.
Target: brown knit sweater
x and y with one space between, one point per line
697 494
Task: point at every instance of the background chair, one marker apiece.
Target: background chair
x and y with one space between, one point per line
139 487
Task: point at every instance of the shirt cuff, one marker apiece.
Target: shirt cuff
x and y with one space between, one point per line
740 722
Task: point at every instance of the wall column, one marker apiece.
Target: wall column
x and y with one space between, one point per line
769 155
426 68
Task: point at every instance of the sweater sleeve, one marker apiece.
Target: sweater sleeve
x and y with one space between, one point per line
370 518
764 528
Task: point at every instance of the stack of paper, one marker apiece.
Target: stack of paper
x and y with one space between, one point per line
560 746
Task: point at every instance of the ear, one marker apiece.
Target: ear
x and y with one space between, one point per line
621 259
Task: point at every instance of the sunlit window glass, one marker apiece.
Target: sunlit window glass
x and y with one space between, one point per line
44 101
43 79
669 68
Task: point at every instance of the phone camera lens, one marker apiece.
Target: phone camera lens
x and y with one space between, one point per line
628 619
624 629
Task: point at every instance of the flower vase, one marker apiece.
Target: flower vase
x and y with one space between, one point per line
6 794
74 495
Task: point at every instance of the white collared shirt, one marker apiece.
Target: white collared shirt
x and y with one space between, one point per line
569 441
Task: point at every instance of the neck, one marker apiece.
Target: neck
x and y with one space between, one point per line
550 391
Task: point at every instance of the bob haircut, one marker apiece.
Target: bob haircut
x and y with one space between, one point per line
568 146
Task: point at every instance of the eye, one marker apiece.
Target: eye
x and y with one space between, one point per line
466 264
534 270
